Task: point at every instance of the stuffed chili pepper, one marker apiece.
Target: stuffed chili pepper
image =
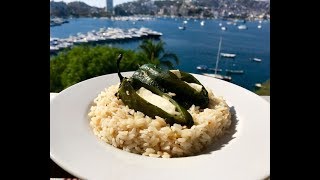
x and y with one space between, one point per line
151 101
186 89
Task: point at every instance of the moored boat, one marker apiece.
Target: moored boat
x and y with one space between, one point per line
258 85
218 76
228 55
242 27
256 59
202 67
230 71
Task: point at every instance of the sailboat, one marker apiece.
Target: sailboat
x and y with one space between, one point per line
215 75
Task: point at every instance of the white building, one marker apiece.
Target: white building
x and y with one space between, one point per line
109 6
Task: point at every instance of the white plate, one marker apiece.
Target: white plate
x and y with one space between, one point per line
75 148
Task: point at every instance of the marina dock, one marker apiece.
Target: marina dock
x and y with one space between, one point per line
103 35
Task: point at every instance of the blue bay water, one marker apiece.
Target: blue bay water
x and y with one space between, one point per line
197 44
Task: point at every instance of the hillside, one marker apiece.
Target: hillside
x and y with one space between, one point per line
199 8
74 9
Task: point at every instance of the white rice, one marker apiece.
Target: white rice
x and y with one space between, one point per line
132 131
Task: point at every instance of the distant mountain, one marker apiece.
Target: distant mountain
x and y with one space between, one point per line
59 9
75 9
244 9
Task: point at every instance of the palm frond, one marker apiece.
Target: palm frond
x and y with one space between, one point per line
156 53
170 56
147 47
166 64
159 48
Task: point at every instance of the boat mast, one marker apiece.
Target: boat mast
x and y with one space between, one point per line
218 55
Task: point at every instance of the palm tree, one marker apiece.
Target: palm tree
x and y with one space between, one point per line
157 55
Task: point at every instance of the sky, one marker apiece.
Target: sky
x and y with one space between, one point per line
97 3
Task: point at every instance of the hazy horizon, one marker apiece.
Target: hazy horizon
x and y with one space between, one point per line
102 3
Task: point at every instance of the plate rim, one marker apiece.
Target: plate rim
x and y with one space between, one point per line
56 159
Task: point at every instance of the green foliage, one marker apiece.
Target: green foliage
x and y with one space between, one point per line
265 89
157 55
84 62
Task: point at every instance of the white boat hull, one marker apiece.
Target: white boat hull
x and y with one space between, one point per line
218 76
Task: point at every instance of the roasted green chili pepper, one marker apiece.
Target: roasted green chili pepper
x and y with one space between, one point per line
127 93
167 81
191 79
146 75
130 98
188 78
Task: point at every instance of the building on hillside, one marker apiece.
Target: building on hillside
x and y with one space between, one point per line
109 6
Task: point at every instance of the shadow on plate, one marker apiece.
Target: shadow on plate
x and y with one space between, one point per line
226 138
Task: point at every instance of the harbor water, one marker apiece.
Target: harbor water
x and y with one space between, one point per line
196 45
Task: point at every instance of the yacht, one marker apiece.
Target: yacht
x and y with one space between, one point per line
257 59
242 27
228 55
258 85
54 48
